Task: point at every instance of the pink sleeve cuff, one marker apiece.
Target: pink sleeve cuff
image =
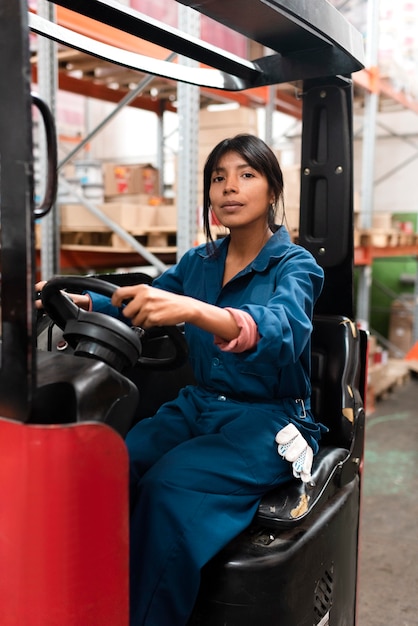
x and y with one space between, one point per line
248 335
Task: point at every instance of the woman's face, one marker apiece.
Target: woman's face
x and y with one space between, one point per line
239 195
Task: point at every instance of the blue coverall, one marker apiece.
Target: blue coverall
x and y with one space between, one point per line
200 466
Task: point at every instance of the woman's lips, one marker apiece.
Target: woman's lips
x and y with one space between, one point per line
231 206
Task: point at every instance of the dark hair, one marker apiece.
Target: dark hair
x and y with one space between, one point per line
257 154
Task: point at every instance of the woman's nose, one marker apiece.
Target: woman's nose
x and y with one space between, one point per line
231 184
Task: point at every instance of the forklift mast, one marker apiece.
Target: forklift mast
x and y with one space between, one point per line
17 364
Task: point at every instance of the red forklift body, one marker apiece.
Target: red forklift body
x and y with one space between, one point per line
64 525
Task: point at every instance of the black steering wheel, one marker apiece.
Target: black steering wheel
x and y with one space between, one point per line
105 338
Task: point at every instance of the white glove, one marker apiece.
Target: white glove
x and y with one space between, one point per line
294 448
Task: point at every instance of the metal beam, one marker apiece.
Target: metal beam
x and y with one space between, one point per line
91 89
290 27
369 146
304 47
125 58
47 82
17 346
124 102
188 110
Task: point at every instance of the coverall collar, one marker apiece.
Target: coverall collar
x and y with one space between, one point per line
275 248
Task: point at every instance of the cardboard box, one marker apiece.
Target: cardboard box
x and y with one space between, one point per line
135 217
382 221
166 215
75 217
237 117
401 325
122 179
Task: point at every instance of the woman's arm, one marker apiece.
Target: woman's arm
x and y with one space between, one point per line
150 306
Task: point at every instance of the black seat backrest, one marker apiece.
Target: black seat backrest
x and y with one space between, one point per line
335 376
338 361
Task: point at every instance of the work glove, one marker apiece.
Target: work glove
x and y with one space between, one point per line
294 448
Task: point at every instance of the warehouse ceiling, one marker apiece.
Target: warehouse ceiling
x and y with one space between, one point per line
89 76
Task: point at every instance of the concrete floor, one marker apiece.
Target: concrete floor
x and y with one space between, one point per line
388 580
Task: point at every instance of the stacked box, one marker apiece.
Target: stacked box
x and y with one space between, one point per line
382 221
166 216
401 324
75 217
121 179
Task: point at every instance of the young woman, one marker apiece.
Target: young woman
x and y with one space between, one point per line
200 466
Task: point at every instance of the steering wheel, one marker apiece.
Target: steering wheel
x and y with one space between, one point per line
102 337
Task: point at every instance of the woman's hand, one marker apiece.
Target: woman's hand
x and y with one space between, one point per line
148 306
81 300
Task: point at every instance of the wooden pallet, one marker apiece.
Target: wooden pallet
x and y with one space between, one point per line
384 238
86 238
387 377
151 237
157 239
161 238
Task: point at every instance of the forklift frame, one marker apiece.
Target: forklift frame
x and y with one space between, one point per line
310 43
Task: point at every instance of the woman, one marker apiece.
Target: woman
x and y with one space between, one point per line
200 466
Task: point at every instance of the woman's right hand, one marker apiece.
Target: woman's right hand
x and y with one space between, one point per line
81 300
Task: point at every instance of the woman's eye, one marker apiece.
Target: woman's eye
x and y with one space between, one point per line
217 179
248 175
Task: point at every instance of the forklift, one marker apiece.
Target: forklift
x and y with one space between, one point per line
64 519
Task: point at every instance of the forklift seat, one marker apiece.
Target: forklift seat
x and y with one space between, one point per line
296 565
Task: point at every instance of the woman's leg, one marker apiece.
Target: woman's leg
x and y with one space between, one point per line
152 437
192 502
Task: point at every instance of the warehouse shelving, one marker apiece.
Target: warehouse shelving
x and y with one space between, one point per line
364 255
285 98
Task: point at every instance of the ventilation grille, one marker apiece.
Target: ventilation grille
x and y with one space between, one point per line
323 595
